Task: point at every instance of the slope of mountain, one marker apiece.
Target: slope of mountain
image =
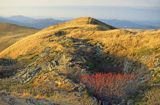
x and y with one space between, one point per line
51 62
41 43
10 33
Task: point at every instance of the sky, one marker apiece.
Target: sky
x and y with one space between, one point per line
104 9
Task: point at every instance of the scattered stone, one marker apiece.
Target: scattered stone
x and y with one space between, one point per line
130 102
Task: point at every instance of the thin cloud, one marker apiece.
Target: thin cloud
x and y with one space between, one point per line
114 9
132 3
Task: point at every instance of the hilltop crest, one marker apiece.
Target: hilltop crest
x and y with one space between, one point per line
88 20
85 23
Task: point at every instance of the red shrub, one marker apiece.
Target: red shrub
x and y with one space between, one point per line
110 86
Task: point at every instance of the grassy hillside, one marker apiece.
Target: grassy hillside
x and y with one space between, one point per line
73 62
41 40
133 44
10 33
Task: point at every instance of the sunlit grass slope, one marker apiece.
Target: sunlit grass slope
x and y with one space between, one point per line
142 45
10 33
34 44
59 54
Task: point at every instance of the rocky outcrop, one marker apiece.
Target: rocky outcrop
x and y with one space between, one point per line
8 67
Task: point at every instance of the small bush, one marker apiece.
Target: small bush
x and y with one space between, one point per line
110 86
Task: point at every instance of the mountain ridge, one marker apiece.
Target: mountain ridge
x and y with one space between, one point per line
86 23
52 62
40 23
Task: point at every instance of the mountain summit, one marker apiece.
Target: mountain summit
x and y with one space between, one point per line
90 20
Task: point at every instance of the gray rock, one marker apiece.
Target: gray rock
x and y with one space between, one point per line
54 63
130 102
123 102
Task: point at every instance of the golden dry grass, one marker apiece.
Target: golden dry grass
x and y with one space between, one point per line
36 43
138 45
124 43
10 33
142 45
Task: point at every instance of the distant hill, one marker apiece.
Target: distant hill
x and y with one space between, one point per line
30 22
35 23
45 22
20 19
130 24
153 23
5 20
10 33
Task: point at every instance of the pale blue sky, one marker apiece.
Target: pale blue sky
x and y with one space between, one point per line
113 9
